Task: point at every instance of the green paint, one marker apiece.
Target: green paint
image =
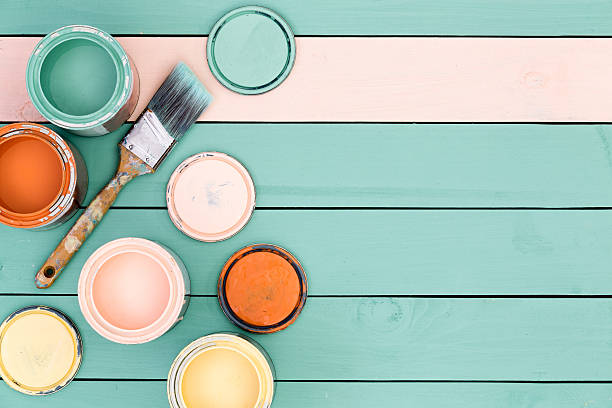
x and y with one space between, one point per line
484 252
78 77
324 17
113 394
384 339
251 50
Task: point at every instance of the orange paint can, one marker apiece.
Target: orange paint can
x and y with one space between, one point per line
43 178
262 288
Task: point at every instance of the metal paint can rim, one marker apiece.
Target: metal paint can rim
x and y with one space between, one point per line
245 345
218 72
183 225
222 295
126 79
172 266
74 172
74 332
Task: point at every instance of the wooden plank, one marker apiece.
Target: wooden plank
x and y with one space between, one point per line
386 339
341 165
380 80
113 394
368 252
318 17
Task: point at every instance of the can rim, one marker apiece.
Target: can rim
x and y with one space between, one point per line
123 86
217 72
76 336
222 294
172 267
186 355
64 199
183 225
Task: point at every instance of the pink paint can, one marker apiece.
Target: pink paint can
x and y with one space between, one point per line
132 290
210 196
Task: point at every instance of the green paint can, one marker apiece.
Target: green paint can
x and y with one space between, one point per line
251 50
81 79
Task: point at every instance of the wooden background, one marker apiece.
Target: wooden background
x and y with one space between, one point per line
441 168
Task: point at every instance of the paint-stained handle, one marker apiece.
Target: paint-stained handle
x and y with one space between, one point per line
129 167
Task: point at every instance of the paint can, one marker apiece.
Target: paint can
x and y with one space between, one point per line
132 290
43 178
81 79
262 288
221 370
210 196
40 350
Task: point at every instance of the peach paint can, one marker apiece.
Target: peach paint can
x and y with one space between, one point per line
132 290
210 196
43 178
81 79
221 370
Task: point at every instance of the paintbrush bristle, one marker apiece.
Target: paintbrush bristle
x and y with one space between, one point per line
180 100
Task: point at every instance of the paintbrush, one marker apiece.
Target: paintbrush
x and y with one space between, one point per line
176 105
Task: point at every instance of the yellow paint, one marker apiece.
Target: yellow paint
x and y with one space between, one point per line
38 351
220 377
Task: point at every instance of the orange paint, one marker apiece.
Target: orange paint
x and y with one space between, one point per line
262 288
31 174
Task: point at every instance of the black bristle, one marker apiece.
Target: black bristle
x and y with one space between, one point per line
180 100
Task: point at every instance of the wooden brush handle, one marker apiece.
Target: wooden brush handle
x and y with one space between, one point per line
129 167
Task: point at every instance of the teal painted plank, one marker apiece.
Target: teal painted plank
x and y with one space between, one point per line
319 17
386 339
390 165
375 252
332 395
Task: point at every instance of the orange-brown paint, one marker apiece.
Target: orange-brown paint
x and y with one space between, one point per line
31 174
262 288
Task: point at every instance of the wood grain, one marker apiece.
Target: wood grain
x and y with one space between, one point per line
367 252
319 17
380 80
385 339
112 394
340 165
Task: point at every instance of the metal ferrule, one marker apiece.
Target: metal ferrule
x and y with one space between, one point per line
149 140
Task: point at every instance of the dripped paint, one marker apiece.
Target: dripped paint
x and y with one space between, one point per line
31 174
220 378
131 290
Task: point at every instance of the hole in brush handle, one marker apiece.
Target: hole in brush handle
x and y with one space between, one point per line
49 272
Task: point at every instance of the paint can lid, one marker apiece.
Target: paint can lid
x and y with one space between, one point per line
40 350
262 288
251 50
210 196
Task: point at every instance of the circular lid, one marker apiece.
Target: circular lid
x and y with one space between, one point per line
210 196
40 350
251 50
262 288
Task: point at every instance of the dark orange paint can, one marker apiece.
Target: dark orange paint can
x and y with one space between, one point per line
262 288
43 178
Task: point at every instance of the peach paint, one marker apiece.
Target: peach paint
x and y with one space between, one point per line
210 196
220 371
42 178
132 290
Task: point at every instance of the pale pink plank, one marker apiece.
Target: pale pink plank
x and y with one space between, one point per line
381 80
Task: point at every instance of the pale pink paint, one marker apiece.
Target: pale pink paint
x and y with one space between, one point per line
210 196
379 79
132 290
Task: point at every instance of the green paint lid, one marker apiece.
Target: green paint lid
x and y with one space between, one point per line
251 50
